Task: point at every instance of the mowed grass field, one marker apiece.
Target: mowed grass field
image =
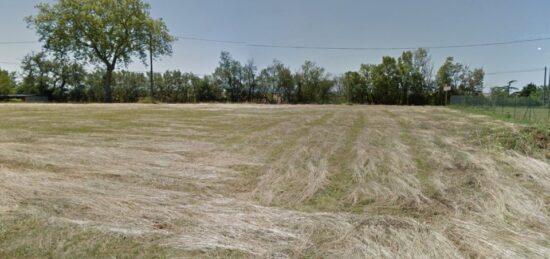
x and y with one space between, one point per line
233 181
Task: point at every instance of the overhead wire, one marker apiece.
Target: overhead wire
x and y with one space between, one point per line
260 45
287 46
470 45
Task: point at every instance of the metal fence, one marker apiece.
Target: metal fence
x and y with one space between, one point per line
520 109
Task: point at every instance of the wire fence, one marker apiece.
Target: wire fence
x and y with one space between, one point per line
528 110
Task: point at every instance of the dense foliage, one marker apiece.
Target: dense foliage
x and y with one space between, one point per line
101 32
406 80
7 82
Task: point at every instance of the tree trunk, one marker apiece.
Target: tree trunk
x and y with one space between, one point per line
108 98
250 87
62 90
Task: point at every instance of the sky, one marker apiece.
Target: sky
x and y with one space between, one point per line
342 23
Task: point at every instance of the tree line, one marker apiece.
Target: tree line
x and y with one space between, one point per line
111 33
406 80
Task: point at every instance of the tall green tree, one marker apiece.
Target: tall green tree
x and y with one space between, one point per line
50 77
421 86
102 32
94 86
7 82
36 79
285 79
366 71
474 81
177 87
449 74
206 89
407 76
355 87
249 79
461 79
386 79
130 86
280 82
529 90
228 75
266 85
313 84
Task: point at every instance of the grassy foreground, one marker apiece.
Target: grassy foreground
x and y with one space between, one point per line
172 181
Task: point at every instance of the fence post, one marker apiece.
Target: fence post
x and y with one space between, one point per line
515 104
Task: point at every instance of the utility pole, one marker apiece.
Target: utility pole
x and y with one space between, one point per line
152 86
548 92
546 88
543 95
545 74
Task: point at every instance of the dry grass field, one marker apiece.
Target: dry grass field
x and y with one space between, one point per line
178 181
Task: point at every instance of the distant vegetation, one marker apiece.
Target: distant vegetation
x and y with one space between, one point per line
405 80
110 34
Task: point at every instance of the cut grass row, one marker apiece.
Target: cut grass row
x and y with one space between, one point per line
341 179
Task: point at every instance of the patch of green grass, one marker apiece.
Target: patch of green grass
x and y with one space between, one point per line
239 129
32 237
423 165
292 139
24 236
527 140
341 180
248 178
86 120
539 116
250 174
424 169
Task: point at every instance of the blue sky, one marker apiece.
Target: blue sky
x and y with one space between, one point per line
344 23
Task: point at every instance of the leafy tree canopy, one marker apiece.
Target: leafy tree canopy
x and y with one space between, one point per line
101 32
7 82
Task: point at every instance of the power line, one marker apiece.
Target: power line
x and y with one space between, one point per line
515 71
178 37
210 40
471 45
260 45
401 48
